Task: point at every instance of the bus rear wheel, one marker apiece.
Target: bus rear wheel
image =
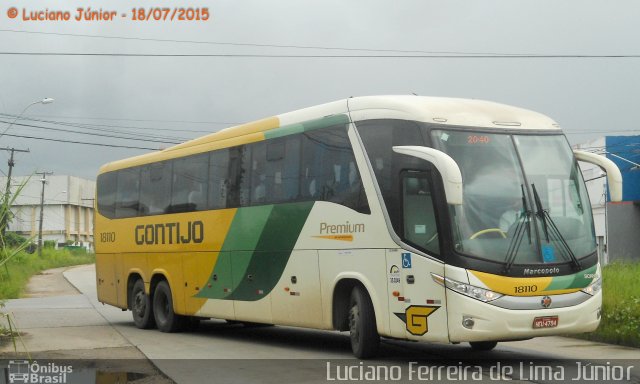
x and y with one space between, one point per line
141 306
363 331
166 319
483 345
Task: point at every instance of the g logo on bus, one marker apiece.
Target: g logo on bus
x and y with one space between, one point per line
415 318
545 302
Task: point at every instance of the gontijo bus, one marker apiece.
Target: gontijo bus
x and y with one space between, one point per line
407 217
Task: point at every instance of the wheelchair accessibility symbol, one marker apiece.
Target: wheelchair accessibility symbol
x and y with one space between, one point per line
406 260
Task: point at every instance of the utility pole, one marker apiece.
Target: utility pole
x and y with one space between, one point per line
7 191
44 181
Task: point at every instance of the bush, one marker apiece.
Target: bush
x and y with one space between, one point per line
13 240
22 266
620 322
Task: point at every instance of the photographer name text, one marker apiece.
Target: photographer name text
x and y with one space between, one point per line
150 14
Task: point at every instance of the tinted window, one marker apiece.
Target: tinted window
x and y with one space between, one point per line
243 175
379 136
329 170
155 188
283 169
418 211
128 191
219 181
258 193
189 191
107 194
316 165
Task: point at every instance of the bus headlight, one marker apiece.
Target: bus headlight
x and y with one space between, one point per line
594 288
472 291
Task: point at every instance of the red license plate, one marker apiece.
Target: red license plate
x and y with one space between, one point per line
545 322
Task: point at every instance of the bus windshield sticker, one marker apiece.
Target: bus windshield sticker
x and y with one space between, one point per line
548 253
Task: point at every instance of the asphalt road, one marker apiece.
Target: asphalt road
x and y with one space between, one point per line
226 353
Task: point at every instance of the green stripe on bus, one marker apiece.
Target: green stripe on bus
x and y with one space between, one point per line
577 280
273 251
244 234
306 126
259 244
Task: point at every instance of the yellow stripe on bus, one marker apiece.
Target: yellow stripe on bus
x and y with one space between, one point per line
519 286
230 137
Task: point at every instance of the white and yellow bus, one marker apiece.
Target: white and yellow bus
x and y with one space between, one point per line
407 217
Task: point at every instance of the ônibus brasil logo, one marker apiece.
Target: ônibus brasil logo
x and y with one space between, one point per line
23 371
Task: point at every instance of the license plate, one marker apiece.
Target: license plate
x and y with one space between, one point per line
545 322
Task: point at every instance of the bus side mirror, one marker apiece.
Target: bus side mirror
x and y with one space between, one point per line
614 177
448 168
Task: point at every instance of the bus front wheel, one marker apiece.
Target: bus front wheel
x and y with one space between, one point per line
141 306
363 332
166 319
483 345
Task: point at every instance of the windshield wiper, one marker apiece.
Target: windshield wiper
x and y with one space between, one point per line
514 245
550 227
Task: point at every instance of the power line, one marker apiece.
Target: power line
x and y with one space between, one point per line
253 44
80 142
98 128
284 56
148 120
96 134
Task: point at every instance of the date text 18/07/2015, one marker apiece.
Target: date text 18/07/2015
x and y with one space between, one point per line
136 14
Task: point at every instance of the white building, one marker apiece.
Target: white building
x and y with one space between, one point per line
68 209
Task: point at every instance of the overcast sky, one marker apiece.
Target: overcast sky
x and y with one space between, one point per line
185 97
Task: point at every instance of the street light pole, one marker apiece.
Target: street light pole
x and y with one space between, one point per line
44 181
7 192
46 100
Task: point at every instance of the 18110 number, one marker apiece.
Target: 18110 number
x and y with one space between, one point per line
107 237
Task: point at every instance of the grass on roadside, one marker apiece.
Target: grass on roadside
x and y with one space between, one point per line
620 322
14 278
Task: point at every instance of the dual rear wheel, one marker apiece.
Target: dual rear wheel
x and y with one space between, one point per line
157 310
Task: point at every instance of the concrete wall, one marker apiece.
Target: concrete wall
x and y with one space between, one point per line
623 220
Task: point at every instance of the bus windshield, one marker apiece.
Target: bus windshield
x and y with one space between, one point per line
524 198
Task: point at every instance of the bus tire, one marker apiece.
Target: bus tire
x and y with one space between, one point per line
483 345
141 307
166 319
363 331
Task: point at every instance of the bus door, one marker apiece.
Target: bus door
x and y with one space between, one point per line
416 299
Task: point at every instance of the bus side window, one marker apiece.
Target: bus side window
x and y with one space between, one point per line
106 187
418 211
219 179
275 155
155 188
329 171
189 190
258 192
312 179
291 168
128 193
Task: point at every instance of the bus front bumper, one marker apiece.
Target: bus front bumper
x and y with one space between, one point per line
486 322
